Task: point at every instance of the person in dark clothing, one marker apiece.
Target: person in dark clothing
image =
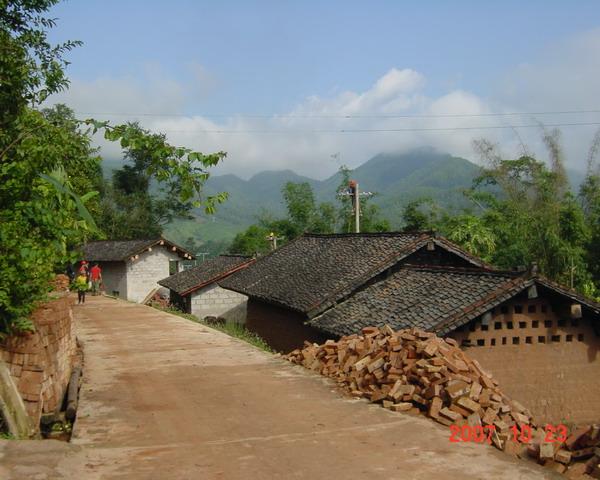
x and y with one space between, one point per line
70 273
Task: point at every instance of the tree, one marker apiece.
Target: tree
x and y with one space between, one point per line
530 214
40 215
138 202
589 196
473 234
46 164
252 241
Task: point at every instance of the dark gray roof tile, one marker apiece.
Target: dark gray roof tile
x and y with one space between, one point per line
205 273
424 297
121 250
313 271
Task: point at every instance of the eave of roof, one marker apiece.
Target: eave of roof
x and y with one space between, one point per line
137 247
214 279
511 288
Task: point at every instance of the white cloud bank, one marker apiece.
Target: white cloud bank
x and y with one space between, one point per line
305 138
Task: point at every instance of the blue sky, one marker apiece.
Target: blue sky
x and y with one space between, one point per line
197 58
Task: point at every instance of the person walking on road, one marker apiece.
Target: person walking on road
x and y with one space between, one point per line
96 278
81 285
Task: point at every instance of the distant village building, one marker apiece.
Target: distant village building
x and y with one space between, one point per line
196 290
132 268
539 339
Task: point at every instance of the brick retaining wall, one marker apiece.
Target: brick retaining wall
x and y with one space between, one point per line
40 363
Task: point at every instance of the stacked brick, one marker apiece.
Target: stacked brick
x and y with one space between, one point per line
60 283
40 363
579 455
417 372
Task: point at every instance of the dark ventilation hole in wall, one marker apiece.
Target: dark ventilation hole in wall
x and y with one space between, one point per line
522 324
509 325
518 308
555 338
580 337
492 311
528 339
472 327
497 325
574 323
503 340
516 340
548 323
544 308
535 324
541 339
562 323
504 309
531 308
485 328
569 338
493 342
481 342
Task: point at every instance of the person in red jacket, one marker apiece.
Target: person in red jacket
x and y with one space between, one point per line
96 278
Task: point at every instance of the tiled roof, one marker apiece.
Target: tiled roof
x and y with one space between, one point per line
423 297
315 271
438 299
205 273
121 250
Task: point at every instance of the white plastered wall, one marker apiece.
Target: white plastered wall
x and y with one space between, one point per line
149 268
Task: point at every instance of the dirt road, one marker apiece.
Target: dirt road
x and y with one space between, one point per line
165 398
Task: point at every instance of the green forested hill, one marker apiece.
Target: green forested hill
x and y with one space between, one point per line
396 178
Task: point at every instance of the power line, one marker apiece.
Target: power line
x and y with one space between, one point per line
387 130
343 116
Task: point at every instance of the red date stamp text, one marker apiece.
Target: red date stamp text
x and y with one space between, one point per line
519 434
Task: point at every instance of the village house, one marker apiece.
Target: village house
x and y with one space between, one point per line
312 273
131 269
539 339
196 290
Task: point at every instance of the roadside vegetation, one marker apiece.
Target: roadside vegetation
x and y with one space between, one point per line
53 197
235 330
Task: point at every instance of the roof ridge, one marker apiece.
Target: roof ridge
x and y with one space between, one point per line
366 234
466 270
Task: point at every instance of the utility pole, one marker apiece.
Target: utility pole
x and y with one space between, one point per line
272 238
355 195
353 184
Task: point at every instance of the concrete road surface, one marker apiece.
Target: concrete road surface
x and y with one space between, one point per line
165 398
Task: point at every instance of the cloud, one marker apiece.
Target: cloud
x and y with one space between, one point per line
305 138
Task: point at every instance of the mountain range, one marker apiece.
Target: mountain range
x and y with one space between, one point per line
395 178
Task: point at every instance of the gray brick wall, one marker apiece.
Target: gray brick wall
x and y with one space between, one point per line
219 302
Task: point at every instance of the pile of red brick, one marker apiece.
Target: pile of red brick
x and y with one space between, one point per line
578 455
417 372
60 283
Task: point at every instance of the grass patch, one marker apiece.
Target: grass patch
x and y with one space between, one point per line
232 329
